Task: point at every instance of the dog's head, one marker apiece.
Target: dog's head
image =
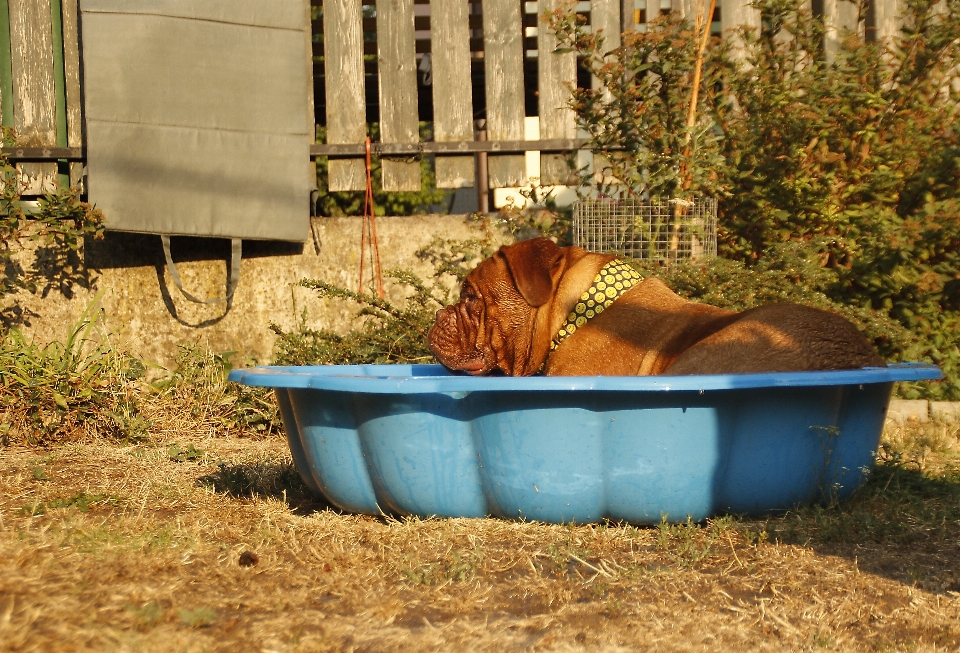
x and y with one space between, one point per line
502 321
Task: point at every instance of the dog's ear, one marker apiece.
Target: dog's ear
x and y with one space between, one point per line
532 264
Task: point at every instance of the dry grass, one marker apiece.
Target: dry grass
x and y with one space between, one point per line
115 547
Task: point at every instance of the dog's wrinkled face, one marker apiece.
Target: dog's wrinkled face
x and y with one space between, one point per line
500 321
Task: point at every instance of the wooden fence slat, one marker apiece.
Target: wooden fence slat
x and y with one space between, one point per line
34 98
735 14
840 16
605 20
688 8
397 59
310 107
652 10
346 108
886 15
503 74
60 87
6 68
71 64
555 71
452 89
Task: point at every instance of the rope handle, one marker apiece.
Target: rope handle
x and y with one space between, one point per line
236 253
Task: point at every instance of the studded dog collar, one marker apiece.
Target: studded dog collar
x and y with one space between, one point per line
613 279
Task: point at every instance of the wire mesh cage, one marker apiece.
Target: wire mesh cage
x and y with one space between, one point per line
653 230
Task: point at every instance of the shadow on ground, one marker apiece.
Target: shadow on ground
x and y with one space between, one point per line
903 524
279 481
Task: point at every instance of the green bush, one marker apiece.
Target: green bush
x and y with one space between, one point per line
859 159
390 334
855 159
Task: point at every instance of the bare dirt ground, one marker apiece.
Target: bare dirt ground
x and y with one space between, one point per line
138 547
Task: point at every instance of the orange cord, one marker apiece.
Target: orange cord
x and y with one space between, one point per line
370 222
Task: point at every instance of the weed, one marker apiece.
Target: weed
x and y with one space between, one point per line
755 538
182 454
199 618
147 615
687 542
81 501
133 426
902 501
392 334
67 390
198 386
830 474
822 640
720 525
58 228
456 258
455 567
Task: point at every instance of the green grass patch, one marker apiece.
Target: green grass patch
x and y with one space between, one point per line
198 618
181 454
81 501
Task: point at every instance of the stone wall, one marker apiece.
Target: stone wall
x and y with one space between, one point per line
144 311
921 411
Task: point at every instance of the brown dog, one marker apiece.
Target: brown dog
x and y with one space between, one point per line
514 304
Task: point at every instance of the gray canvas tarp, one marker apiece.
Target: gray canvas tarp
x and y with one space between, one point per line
199 116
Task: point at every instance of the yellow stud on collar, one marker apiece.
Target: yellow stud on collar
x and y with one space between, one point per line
613 279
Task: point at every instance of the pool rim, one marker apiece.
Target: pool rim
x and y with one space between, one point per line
433 378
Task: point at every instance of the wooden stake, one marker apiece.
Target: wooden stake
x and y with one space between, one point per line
679 206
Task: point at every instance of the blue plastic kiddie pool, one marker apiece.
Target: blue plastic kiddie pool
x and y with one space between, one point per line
414 439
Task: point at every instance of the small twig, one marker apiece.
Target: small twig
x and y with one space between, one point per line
786 624
589 566
735 557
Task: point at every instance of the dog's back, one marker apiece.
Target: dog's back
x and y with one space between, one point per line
779 338
652 330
